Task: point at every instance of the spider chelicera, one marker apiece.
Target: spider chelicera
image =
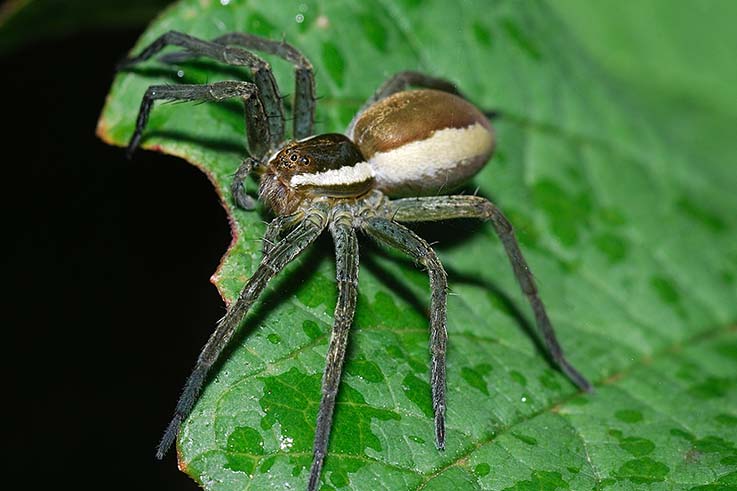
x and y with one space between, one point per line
400 152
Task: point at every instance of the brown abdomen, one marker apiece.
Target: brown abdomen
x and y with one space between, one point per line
422 142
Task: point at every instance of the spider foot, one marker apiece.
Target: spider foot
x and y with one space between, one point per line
492 114
440 431
132 145
124 64
575 377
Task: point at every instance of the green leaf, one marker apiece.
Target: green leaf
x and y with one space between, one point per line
629 230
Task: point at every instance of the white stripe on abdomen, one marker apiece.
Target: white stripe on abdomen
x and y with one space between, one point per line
442 162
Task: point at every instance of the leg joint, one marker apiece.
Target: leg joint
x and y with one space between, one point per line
491 212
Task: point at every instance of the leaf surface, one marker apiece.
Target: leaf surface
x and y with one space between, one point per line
632 244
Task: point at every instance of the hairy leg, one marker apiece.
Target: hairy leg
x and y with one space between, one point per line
304 77
279 256
258 130
263 77
447 207
399 236
278 228
346 265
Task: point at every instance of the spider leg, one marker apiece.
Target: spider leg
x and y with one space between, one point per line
304 77
399 236
256 126
447 207
346 265
279 256
268 91
277 228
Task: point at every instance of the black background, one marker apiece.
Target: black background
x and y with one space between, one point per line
106 277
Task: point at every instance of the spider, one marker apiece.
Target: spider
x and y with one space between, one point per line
399 153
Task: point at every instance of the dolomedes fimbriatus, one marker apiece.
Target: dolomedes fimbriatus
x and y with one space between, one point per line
407 144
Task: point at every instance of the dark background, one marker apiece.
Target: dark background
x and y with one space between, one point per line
106 276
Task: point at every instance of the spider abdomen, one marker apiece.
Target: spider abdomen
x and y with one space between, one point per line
423 142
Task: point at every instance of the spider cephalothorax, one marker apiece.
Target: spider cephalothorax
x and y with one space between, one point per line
408 144
317 166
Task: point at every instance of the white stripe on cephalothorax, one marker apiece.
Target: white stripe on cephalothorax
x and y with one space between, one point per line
432 157
346 175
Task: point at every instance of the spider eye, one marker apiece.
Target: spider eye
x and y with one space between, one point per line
293 157
304 161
